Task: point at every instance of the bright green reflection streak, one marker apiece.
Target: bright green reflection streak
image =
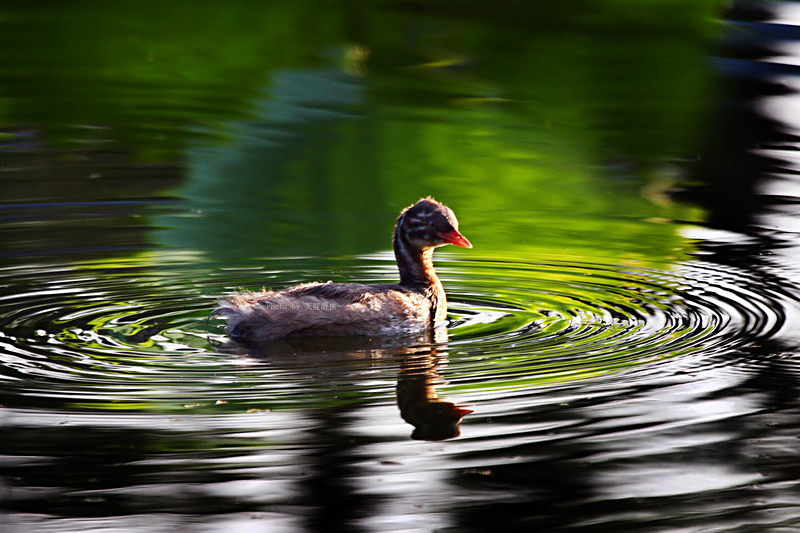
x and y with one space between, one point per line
553 201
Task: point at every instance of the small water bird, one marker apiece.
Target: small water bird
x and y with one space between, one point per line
417 303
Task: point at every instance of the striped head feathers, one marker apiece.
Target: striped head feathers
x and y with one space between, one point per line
428 224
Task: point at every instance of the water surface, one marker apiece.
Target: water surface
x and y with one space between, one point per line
622 338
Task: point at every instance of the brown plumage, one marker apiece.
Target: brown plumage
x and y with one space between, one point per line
417 303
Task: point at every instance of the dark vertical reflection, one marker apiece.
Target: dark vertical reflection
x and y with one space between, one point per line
744 148
729 169
330 494
735 177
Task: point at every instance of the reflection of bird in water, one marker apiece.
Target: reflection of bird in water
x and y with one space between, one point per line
416 304
419 403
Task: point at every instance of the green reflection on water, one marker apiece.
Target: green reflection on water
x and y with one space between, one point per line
323 191
307 125
621 73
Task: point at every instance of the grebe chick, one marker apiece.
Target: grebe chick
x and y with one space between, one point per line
417 303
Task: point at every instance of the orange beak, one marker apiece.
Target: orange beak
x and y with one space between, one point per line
454 237
462 410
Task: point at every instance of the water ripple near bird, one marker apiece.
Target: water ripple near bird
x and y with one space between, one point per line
137 334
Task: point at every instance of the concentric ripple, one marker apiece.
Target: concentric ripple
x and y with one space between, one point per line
136 335
563 321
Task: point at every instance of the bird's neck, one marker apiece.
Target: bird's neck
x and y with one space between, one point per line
415 265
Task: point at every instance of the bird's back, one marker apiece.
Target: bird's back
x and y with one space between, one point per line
321 309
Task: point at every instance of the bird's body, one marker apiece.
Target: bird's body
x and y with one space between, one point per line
322 309
415 304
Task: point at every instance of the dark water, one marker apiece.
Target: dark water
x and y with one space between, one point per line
623 337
